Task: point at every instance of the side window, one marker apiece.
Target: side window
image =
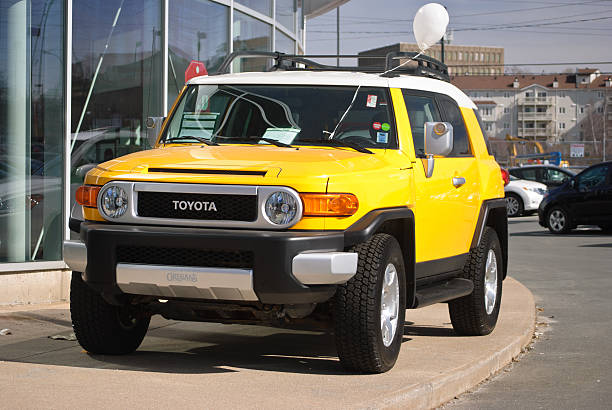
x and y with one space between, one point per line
530 174
517 173
554 176
421 109
592 178
452 114
483 130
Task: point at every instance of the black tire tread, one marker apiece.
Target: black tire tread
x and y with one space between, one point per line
96 325
356 310
465 318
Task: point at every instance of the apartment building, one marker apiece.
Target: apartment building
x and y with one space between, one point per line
556 110
462 60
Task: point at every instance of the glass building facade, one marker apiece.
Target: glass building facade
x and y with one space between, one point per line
79 78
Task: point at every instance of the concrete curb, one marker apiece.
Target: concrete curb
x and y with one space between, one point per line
185 364
431 394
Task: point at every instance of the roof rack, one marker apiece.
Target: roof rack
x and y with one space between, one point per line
425 65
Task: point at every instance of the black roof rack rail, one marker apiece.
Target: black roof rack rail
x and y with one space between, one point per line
425 65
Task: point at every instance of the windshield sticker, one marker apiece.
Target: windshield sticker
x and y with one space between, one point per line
377 126
371 102
286 135
382 137
386 126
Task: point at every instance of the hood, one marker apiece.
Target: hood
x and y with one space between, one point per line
268 160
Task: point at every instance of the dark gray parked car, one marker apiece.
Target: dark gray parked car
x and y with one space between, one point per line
549 175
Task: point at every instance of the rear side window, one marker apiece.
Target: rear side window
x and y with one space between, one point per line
452 114
530 174
516 173
483 130
421 109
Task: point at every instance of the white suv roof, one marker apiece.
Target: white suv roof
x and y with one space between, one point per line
342 78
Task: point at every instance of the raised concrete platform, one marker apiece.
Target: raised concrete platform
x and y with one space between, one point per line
196 365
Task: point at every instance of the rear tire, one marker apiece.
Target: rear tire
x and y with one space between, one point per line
514 205
369 309
476 314
558 220
102 328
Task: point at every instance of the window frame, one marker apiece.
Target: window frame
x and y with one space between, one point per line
444 117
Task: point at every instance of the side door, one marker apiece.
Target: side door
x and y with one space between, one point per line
445 213
594 200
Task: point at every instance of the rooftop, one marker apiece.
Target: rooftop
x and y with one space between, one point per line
498 82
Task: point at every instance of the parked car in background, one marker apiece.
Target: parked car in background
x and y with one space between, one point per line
523 197
586 199
549 175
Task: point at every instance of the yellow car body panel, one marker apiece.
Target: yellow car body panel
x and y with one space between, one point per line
445 215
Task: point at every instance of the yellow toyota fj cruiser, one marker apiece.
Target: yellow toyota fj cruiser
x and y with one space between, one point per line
306 194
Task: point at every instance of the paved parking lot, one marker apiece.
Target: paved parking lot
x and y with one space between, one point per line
189 364
571 364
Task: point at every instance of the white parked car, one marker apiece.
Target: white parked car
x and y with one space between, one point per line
523 196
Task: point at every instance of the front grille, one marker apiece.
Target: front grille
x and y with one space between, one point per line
197 206
185 257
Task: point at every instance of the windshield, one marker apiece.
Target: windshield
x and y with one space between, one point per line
288 114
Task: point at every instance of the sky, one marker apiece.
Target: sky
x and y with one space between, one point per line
532 32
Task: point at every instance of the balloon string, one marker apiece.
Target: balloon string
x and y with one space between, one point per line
403 64
331 136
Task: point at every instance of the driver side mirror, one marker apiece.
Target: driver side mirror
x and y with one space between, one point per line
438 141
572 183
154 126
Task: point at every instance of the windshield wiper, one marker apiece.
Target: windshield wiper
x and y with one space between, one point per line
255 140
340 143
343 143
275 142
191 137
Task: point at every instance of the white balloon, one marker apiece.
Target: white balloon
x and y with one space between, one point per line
429 25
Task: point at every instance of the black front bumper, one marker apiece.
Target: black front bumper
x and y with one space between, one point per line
273 253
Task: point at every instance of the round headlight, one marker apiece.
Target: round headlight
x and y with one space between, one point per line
114 201
281 208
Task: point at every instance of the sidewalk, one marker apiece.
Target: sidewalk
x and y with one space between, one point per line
196 365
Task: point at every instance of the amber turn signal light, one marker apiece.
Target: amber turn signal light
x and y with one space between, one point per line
329 204
87 195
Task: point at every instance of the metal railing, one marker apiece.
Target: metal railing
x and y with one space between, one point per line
536 100
535 115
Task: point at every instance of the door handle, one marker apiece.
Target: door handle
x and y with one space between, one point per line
458 181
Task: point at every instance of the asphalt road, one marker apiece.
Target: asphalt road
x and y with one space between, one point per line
570 366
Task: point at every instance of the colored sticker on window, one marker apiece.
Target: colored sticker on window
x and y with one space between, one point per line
377 126
371 102
382 137
385 126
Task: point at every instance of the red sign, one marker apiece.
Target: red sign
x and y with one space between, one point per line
377 126
195 69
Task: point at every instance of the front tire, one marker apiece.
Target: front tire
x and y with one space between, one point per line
514 205
102 328
558 220
369 309
476 314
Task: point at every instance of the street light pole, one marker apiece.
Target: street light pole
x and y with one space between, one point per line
338 36
605 126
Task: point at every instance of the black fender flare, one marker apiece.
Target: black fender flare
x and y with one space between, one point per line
493 213
378 220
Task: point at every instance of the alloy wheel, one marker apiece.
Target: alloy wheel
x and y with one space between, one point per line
389 305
